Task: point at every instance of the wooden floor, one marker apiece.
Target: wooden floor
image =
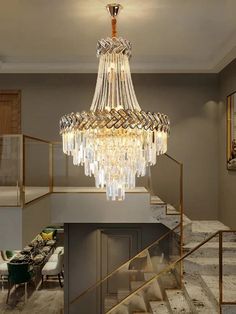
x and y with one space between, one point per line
47 299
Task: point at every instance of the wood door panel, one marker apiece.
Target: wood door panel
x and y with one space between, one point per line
10 123
10 112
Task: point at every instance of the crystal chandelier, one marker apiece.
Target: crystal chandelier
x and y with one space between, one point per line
116 140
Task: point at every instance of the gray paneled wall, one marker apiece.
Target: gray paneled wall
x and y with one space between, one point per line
84 256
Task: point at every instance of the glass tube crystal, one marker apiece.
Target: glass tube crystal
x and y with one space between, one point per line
115 141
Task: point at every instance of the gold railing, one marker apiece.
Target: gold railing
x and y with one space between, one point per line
25 169
31 162
166 181
148 261
167 184
168 268
23 157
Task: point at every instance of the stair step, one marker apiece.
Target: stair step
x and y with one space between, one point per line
159 307
171 210
202 229
177 302
121 309
122 293
153 291
109 302
149 275
228 309
211 284
209 226
168 281
170 221
211 249
197 297
156 200
136 284
209 265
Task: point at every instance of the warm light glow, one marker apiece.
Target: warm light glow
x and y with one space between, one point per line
115 141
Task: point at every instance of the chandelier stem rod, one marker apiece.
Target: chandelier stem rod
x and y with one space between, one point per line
113 26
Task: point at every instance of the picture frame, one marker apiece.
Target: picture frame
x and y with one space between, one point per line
231 131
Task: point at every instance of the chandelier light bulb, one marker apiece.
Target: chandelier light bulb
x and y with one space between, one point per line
116 140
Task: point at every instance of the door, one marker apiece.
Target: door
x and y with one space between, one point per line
10 123
118 245
10 112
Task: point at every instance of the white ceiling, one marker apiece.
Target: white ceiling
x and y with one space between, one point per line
167 35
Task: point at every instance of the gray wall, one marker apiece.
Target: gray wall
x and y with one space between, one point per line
227 187
82 253
189 100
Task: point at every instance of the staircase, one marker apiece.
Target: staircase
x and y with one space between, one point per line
200 289
201 280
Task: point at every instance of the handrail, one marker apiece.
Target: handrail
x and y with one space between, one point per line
23 137
36 139
171 266
181 205
125 263
26 136
173 159
22 166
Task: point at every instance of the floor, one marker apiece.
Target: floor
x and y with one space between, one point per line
48 299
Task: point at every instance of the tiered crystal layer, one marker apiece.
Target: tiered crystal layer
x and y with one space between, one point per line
115 140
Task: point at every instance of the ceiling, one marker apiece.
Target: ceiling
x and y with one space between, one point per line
167 35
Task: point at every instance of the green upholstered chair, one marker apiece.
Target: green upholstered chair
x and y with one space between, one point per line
18 274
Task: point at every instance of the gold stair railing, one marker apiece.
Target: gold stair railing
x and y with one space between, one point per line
163 249
25 168
23 157
167 184
172 266
165 170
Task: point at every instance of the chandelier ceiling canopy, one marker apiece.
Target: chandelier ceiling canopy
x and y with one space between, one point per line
116 140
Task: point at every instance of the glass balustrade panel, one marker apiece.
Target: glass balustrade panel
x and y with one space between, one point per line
132 275
144 298
166 183
36 168
229 267
66 176
10 170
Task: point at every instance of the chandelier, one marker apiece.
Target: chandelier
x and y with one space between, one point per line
116 140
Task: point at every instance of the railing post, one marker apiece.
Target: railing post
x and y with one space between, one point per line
181 223
220 270
149 180
22 170
50 167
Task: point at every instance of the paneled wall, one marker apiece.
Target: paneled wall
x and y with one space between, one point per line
87 246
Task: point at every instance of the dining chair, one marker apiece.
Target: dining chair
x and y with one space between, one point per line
19 273
54 267
3 269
